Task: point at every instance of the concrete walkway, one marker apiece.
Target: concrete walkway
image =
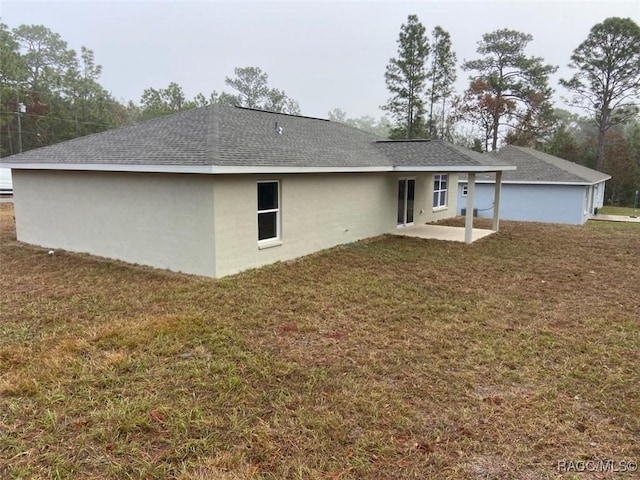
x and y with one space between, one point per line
440 232
615 218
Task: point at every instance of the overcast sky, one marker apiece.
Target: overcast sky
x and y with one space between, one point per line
324 54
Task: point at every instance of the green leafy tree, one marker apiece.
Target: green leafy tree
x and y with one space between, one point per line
514 86
13 75
406 78
45 53
607 83
59 88
91 107
441 77
163 101
47 59
277 101
564 141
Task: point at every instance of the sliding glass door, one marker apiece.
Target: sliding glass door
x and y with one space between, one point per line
406 196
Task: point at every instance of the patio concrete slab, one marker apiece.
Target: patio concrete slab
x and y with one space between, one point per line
615 218
441 232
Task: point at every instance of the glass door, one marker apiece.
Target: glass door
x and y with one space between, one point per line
406 197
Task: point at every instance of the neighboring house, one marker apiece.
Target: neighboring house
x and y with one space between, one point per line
218 190
544 188
6 186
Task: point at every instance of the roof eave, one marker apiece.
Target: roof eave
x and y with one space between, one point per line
540 182
255 169
455 169
199 169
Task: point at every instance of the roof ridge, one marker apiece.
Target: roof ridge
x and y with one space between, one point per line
281 113
213 135
550 162
398 140
553 159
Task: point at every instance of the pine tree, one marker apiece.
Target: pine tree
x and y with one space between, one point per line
513 86
607 84
442 76
406 77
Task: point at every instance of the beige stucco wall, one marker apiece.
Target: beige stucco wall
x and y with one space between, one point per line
423 209
317 211
169 220
161 220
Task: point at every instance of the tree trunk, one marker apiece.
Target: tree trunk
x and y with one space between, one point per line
602 129
442 123
494 141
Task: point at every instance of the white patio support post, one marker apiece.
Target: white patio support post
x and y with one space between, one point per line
468 221
496 202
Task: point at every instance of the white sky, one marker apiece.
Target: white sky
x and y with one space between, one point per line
324 54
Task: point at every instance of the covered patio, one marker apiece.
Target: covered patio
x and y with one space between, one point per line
442 232
412 158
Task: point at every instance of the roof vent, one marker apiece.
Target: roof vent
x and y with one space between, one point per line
278 129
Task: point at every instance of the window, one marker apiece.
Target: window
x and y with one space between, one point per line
268 211
439 191
465 190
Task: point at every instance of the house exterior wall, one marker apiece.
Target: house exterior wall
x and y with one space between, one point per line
533 203
206 224
160 220
599 194
433 215
317 211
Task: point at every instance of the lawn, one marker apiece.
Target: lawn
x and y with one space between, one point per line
385 359
625 211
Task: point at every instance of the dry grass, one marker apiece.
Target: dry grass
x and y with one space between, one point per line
389 358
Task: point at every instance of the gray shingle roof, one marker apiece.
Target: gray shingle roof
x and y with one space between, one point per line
431 153
248 138
535 166
173 139
238 137
218 135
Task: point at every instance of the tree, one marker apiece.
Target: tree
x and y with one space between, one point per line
380 127
564 141
251 83
514 86
623 168
58 87
477 107
442 76
46 55
13 74
163 101
277 101
607 84
405 77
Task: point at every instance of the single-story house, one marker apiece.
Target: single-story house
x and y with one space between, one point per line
217 190
543 188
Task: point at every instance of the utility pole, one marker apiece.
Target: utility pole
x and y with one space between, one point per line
21 109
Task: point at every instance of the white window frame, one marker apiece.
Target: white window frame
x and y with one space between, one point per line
439 191
465 189
272 241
